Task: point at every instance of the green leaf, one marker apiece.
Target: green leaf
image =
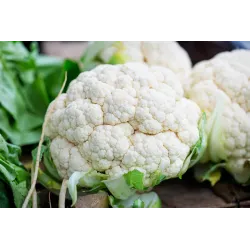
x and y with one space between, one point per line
22 174
10 97
28 83
4 150
17 178
9 151
119 188
125 186
216 137
7 170
5 196
135 179
198 149
73 70
34 153
72 185
150 200
25 137
208 172
19 60
12 172
29 121
13 50
92 52
20 191
53 70
48 182
146 200
119 57
16 136
157 177
91 179
49 165
5 126
138 204
36 97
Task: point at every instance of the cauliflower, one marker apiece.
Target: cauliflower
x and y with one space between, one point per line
238 57
124 125
221 88
166 54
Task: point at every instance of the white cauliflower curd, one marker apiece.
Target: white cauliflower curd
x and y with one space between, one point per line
118 118
221 88
167 54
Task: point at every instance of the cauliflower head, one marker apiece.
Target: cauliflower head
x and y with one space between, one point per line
221 88
167 54
119 119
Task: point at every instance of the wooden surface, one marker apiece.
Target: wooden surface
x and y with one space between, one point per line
173 193
190 194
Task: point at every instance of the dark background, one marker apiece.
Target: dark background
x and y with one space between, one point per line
198 51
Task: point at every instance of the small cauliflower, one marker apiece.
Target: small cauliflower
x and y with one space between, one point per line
221 88
127 126
167 54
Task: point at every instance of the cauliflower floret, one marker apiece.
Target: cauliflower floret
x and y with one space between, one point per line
118 118
105 145
67 158
132 50
226 79
168 54
152 109
76 121
177 153
119 107
239 168
146 151
234 83
239 58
